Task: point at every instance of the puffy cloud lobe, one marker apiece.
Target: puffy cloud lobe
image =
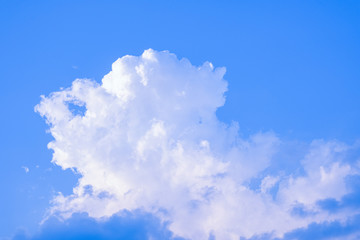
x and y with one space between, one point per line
149 139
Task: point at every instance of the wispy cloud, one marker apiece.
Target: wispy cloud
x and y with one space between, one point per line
26 169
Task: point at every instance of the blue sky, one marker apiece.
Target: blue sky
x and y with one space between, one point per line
292 69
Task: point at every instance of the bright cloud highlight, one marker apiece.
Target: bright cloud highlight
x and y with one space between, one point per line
148 138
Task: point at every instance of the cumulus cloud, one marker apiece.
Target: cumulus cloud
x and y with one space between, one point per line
147 137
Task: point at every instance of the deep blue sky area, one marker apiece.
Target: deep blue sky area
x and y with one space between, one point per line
292 67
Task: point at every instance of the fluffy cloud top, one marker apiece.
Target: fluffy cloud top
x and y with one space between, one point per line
148 138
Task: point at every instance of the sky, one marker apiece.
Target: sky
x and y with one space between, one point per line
180 119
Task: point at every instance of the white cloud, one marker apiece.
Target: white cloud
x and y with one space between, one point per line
26 169
150 139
